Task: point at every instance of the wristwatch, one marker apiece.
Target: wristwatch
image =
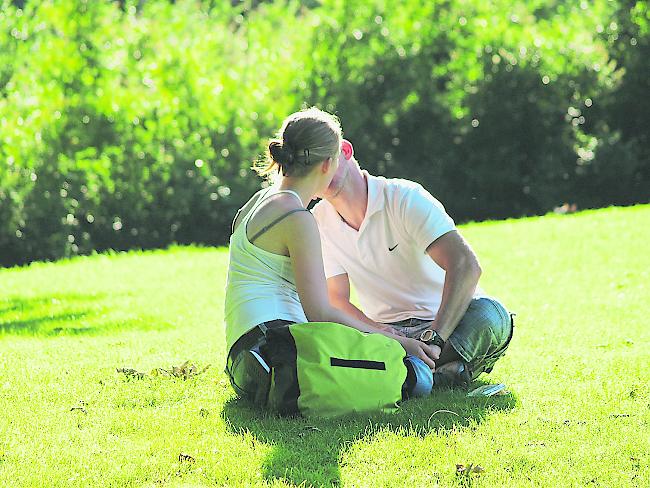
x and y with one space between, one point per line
432 338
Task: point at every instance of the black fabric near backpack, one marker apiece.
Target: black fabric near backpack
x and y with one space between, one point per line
281 353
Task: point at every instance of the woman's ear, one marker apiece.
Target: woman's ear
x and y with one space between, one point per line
325 167
347 149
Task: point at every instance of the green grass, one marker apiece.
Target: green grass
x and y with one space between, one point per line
578 370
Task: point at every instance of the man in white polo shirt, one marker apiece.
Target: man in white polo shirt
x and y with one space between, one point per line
411 268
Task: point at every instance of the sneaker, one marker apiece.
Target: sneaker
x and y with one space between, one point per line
455 374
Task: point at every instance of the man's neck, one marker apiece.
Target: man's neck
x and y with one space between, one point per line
351 202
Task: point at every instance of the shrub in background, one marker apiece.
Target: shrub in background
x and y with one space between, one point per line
614 166
133 124
484 103
126 127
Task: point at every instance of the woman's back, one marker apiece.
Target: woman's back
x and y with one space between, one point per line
261 283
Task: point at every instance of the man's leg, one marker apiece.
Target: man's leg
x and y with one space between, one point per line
481 337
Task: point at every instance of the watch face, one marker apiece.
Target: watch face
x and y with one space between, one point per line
427 335
431 337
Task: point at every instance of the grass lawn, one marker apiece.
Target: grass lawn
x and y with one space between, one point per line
578 370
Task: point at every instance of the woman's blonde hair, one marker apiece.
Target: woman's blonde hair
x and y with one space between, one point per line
305 138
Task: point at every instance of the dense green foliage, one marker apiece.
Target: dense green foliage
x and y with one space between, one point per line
134 124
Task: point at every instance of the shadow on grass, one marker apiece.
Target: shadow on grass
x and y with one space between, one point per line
70 314
308 451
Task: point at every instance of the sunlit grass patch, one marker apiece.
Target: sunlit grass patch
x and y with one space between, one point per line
578 368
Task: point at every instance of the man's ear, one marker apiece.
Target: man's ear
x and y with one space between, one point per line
347 149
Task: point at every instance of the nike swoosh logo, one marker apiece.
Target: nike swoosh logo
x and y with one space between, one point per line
391 248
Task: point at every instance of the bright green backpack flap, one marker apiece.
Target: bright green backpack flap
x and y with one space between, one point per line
342 370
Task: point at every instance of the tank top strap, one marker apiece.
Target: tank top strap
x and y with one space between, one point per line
263 196
276 221
290 192
260 195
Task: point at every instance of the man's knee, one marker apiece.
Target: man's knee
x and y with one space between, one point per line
488 314
484 331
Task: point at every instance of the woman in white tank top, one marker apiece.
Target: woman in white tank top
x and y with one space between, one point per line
275 273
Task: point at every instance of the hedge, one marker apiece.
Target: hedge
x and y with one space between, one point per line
134 124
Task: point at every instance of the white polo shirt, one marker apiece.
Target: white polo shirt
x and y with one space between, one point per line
386 260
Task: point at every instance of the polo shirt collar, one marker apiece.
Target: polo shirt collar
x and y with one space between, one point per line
376 200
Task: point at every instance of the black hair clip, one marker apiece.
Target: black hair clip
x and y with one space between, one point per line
306 153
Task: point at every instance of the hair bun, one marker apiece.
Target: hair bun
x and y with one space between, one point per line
281 153
305 139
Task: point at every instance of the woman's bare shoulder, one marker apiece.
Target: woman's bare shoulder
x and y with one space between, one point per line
274 207
248 206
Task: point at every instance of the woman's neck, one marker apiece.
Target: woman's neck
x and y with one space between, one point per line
302 186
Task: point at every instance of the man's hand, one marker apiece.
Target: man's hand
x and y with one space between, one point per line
436 351
420 350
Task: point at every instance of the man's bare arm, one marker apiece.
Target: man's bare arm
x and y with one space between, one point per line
462 271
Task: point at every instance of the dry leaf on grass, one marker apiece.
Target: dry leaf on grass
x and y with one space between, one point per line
131 373
80 407
185 458
185 371
307 428
470 469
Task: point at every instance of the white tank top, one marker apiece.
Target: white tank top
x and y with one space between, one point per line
261 285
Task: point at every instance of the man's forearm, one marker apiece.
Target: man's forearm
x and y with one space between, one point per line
459 288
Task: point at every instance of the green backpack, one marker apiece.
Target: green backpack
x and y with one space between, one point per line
324 369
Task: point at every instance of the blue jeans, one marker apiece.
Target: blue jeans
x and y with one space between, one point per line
481 337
